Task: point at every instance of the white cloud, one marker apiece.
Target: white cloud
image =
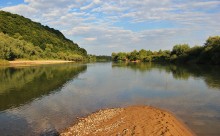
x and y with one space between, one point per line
90 39
92 4
22 9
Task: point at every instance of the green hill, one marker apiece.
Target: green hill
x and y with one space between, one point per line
21 38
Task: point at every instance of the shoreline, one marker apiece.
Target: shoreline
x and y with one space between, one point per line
35 62
134 120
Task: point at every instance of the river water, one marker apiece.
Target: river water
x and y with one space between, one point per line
45 99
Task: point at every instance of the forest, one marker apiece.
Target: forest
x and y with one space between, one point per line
209 53
21 38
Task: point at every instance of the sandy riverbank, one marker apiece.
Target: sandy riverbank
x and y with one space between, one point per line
136 120
35 62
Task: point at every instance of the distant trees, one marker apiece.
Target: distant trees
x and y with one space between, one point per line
180 49
103 58
181 53
211 51
213 41
121 56
142 54
100 58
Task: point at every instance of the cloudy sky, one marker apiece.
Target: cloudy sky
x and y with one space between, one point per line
106 26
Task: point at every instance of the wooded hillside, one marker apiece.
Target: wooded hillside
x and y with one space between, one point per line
22 38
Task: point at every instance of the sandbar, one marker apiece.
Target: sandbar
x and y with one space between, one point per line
134 120
36 62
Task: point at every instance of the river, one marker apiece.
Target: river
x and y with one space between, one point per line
45 99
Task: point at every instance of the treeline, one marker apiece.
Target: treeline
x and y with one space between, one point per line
100 58
209 53
21 38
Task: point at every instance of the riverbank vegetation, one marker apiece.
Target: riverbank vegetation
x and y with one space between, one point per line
100 58
3 62
209 53
21 38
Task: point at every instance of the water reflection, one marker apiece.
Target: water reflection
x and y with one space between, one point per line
209 73
180 89
190 91
20 85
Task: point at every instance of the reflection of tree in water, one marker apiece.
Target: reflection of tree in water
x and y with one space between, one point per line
210 74
20 85
179 72
142 67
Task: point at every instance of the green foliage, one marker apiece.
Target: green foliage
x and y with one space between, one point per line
121 56
142 55
100 58
27 39
4 62
180 49
213 41
133 56
91 58
114 55
103 58
211 51
11 48
181 53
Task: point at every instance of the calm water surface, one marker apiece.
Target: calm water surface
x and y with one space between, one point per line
43 100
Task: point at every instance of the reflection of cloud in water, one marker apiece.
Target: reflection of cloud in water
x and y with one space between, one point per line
11 128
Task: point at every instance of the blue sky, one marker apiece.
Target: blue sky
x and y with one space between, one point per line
106 26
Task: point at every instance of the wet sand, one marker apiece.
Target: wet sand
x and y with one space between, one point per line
135 120
35 62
